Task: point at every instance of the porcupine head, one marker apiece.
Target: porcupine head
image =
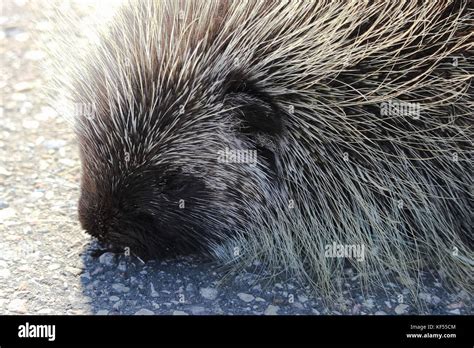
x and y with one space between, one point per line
177 143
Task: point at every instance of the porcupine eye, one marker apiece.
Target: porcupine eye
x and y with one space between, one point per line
260 117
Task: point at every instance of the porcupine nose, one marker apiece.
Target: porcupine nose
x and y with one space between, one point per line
92 223
93 217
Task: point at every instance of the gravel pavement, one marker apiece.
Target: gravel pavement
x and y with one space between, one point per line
46 265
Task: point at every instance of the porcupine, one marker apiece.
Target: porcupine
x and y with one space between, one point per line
320 90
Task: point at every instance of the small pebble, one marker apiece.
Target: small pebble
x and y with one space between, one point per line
73 270
4 171
153 291
23 86
54 144
17 306
118 304
54 266
144 311
120 287
302 298
45 311
107 259
30 124
208 293
271 310
122 266
455 305
197 310
401 309
246 297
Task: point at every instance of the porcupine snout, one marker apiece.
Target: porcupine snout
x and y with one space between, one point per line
144 211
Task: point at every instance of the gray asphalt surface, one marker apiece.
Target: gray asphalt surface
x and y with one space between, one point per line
46 265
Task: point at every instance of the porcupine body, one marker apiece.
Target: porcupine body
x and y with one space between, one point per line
360 114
